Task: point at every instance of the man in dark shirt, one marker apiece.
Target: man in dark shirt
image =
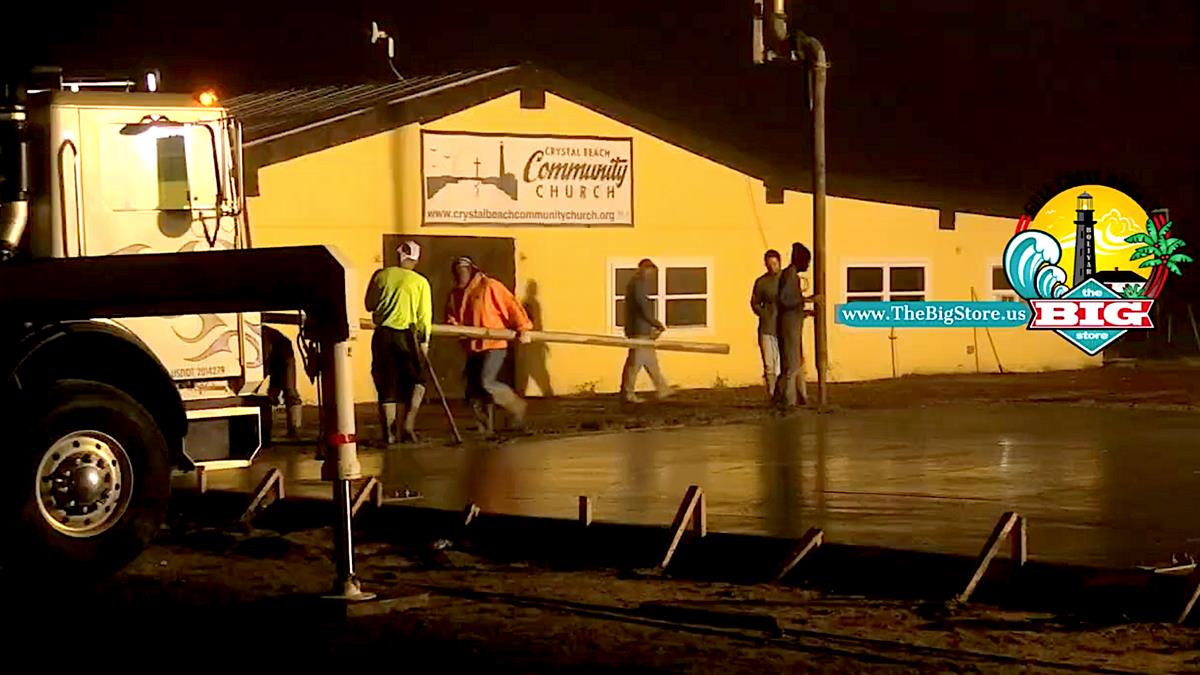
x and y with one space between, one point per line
764 300
279 361
790 331
641 323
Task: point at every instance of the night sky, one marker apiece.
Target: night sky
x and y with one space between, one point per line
998 96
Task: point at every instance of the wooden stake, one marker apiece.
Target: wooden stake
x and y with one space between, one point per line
273 480
682 518
372 490
700 517
1193 595
585 510
807 544
470 513
1020 542
1003 528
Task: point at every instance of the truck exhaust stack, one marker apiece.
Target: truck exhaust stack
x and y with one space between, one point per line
14 170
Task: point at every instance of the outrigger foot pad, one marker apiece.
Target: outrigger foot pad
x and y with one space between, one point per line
348 591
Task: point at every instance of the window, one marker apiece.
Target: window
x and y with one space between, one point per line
1001 289
678 290
894 283
163 169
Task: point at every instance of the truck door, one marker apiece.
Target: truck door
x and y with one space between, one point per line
153 189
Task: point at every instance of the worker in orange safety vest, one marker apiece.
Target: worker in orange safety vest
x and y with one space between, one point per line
481 301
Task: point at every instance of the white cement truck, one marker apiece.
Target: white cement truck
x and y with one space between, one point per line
130 333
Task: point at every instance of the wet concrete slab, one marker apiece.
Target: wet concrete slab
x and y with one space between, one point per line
1098 485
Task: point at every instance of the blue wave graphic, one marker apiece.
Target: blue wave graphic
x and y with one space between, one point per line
1031 264
1051 281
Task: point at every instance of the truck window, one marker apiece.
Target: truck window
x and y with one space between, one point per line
171 153
161 169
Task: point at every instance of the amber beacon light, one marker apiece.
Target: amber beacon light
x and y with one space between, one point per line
207 98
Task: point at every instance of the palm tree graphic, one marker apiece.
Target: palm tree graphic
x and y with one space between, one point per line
1159 248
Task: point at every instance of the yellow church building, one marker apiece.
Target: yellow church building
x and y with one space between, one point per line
558 191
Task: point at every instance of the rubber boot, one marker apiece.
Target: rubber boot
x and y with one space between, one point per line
409 434
295 419
387 420
514 405
483 418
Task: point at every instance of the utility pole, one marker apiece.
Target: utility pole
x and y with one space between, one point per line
777 38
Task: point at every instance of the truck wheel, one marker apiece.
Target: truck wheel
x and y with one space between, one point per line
95 480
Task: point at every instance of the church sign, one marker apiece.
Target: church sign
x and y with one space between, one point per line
515 179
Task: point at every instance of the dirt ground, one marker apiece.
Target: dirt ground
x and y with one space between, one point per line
1168 385
235 597
251 596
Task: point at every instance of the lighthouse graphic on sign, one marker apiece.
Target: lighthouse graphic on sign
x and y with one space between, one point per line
502 181
1086 266
1085 242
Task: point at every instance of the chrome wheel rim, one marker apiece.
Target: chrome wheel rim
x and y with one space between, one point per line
84 481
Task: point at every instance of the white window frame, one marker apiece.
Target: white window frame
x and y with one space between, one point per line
1002 294
886 265
630 262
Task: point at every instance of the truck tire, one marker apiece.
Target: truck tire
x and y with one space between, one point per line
93 483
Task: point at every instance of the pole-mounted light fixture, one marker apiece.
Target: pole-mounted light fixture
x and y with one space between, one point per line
377 36
778 37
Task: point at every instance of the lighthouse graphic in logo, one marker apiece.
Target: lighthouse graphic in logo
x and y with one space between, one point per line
1121 258
1085 241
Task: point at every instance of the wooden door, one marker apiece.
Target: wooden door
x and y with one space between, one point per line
496 256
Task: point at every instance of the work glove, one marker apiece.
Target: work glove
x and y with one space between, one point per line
523 337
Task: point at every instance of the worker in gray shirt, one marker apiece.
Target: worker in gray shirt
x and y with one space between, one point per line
641 323
764 300
790 330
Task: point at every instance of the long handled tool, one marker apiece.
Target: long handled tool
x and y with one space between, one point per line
437 384
445 330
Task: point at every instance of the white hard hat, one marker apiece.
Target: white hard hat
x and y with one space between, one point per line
409 250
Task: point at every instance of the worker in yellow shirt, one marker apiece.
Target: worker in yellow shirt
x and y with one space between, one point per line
400 302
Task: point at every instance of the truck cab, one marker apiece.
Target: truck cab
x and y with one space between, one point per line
104 407
133 173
